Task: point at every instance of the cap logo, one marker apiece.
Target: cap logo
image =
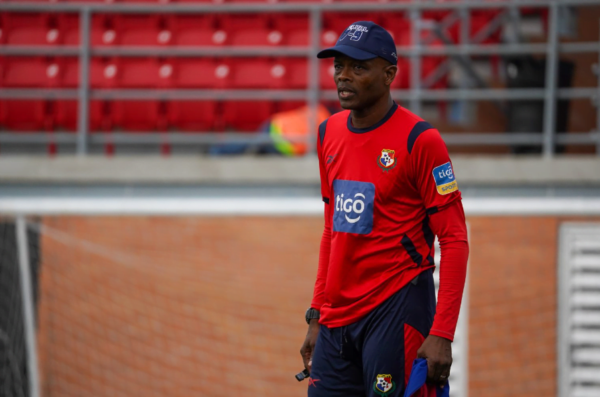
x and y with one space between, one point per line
354 32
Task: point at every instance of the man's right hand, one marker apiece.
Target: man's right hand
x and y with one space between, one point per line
308 347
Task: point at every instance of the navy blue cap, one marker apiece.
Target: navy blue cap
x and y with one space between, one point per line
364 40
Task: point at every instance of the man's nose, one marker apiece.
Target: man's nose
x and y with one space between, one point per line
343 74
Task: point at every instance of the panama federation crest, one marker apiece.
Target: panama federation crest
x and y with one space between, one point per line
384 384
387 161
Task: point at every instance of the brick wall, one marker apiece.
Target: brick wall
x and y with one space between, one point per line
204 306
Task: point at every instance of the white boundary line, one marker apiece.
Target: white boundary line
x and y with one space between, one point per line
271 206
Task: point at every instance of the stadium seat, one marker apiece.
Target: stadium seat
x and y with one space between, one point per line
69 71
66 115
197 30
196 116
139 116
294 29
134 30
295 70
257 73
69 29
27 29
27 72
402 80
247 29
104 72
101 116
146 29
200 73
139 72
399 27
39 29
103 30
23 115
326 74
246 116
130 73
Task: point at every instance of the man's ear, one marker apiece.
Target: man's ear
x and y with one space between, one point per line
390 74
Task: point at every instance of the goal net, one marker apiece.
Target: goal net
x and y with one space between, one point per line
163 305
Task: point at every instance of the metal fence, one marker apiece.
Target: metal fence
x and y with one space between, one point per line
415 95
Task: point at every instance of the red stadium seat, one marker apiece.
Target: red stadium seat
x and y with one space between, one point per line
27 29
294 29
135 115
246 29
198 30
66 115
101 116
200 73
131 30
103 30
69 72
148 29
39 29
23 115
130 73
104 72
295 72
28 72
326 74
246 116
256 73
69 29
192 115
399 27
138 73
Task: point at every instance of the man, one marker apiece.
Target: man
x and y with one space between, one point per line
389 188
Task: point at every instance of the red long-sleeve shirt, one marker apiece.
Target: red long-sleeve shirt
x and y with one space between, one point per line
388 190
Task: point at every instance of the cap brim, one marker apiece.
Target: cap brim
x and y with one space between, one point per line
347 50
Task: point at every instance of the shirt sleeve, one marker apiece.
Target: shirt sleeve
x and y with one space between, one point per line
450 227
433 175
319 291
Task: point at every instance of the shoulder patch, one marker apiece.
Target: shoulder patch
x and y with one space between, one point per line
322 129
417 130
444 179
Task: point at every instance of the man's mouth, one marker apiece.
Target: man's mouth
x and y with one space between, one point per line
345 94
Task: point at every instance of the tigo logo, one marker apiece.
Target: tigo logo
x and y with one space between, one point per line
444 179
354 203
354 206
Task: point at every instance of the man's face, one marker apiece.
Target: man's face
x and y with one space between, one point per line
362 83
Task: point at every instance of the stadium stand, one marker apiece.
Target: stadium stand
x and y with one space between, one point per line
108 71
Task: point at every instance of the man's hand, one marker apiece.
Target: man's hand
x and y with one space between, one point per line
438 352
308 347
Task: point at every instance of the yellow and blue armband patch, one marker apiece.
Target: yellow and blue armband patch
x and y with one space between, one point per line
444 179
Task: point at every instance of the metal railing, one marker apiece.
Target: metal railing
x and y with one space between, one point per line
415 95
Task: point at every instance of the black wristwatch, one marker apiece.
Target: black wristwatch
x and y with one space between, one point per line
312 314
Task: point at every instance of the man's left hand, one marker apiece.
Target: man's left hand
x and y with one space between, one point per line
438 352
